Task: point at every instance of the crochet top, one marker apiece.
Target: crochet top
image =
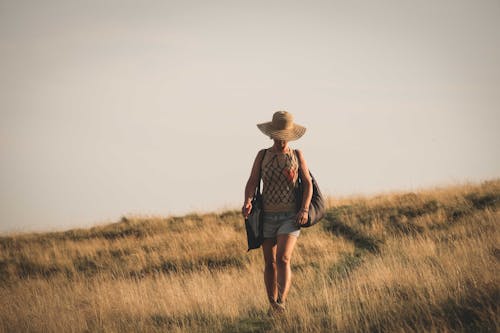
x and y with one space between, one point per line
279 177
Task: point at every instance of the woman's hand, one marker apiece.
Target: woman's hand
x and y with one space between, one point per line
302 217
246 209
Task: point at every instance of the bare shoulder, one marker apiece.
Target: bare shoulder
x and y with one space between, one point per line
300 158
300 155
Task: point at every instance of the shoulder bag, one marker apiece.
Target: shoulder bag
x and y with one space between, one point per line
253 223
317 206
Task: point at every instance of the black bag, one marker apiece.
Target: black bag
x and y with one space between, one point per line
317 207
253 223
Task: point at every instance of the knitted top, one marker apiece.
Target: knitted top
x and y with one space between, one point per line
279 177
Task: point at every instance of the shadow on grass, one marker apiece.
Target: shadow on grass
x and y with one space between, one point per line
488 200
333 224
210 263
406 227
26 268
348 263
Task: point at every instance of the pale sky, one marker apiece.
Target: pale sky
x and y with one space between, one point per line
120 108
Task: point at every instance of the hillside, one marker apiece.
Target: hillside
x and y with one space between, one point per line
423 261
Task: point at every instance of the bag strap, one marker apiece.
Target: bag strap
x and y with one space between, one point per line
257 190
298 162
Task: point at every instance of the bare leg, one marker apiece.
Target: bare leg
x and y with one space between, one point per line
270 274
285 244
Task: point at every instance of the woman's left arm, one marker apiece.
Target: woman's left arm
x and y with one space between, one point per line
303 214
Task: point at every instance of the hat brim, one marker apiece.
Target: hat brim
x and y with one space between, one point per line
289 134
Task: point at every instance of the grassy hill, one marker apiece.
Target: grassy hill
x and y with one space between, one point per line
397 262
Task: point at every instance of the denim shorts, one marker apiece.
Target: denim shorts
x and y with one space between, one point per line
279 224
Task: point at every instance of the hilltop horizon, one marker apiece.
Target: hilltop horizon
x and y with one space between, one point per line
331 200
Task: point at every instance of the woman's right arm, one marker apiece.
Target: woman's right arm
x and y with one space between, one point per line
252 182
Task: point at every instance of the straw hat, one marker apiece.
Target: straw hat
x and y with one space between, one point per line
282 127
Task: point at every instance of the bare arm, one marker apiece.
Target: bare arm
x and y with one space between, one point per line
302 215
252 183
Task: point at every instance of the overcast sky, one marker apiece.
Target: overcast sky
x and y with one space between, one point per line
117 108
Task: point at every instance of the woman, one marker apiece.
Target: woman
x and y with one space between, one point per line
278 167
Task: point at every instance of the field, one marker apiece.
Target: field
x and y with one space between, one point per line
395 262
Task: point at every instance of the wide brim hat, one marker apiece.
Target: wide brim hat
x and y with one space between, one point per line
282 127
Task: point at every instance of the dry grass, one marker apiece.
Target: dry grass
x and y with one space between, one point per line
397 262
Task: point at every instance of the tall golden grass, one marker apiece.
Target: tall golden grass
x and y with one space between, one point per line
396 262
